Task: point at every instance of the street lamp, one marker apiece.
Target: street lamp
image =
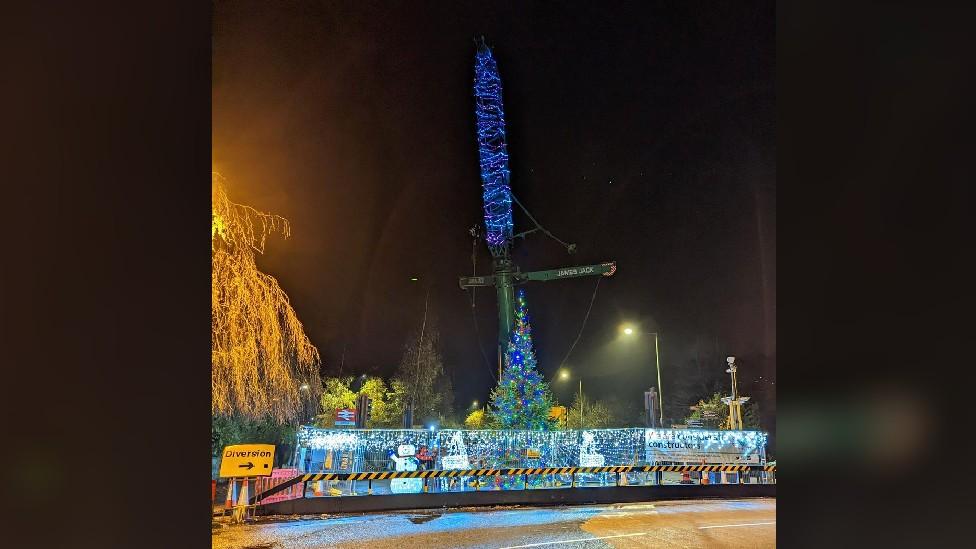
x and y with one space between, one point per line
563 376
657 364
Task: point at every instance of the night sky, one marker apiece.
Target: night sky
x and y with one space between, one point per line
642 132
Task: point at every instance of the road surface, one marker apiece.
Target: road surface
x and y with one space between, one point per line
694 523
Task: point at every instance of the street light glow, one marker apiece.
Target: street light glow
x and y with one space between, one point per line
563 374
628 330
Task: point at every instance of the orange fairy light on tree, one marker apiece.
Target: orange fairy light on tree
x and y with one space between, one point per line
260 354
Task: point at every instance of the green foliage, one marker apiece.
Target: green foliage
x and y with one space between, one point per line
388 401
396 400
445 410
336 394
596 415
228 430
422 376
625 412
476 420
714 414
750 416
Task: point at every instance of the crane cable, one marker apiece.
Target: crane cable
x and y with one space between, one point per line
474 316
580 334
571 248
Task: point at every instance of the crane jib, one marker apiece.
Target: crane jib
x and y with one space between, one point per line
604 269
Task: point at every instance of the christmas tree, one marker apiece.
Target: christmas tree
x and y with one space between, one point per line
522 399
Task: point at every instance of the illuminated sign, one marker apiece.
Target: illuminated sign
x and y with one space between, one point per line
345 416
247 460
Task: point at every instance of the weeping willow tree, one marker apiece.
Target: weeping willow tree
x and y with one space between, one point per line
263 365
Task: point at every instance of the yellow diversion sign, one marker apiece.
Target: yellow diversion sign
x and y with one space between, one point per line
247 460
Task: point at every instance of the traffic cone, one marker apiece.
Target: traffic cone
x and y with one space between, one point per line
242 501
240 512
231 489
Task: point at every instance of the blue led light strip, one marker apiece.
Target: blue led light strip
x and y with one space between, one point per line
493 153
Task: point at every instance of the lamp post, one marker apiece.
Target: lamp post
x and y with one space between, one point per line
564 375
657 365
305 388
581 401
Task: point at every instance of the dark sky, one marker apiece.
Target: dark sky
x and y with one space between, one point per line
643 132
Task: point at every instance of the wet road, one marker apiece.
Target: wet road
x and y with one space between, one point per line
699 523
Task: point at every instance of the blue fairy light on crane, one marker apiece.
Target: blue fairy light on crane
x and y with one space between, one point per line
492 151
498 199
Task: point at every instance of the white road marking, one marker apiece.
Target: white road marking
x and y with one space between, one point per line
734 525
575 540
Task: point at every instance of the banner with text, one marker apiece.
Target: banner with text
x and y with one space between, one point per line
695 446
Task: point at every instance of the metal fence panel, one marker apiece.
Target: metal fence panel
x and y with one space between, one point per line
368 450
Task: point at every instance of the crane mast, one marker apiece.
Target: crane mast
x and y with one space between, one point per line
497 198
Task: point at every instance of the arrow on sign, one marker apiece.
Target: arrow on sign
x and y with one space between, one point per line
249 466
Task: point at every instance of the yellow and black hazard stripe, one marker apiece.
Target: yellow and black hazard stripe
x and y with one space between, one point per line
442 473
312 477
703 468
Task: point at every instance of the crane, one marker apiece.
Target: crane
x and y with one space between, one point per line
498 198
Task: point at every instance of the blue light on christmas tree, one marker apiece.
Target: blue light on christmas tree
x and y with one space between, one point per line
522 399
492 150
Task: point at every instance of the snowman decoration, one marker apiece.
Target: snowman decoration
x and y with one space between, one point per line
404 459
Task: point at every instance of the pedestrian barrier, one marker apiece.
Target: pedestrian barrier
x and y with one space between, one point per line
318 478
278 476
